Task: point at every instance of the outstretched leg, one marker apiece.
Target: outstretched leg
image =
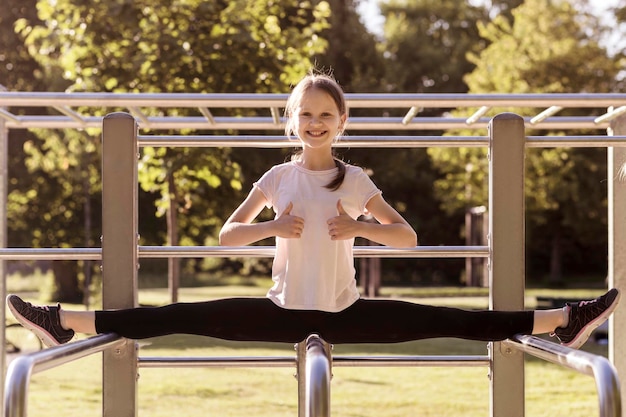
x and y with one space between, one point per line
366 321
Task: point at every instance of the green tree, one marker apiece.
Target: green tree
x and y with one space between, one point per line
426 42
352 53
550 48
180 46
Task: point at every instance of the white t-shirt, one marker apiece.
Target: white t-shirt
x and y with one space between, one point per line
314 272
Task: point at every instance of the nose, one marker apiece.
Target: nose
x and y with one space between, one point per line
315 120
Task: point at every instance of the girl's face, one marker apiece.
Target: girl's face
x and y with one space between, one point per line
317 118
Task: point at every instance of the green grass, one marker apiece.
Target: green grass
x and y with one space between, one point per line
74 389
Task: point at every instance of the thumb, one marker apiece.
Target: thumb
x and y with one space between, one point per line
288 209
340 208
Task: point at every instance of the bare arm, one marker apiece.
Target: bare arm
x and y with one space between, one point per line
393 229
239 230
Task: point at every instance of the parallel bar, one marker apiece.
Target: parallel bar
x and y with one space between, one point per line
136 112
95 254
21 368
574 141
600 368
71 114
317 378
338 360
611 114
550 111
413 111
268 141
261 141
364 100
9 116
359 251
275 115
207 114
267 123
477 115
60 254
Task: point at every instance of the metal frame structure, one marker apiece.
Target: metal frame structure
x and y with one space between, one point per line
157 111
506 141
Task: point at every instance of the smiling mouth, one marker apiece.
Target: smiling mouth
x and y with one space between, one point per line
316 133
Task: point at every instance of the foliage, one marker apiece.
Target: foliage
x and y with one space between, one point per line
426 42
176 46
351 54
550 48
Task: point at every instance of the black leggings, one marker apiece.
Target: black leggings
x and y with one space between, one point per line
366 321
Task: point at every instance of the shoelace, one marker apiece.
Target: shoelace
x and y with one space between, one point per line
36 311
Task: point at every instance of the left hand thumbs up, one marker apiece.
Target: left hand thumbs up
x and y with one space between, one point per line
340 208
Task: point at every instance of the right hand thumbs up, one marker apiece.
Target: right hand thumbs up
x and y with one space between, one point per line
287 209
288 226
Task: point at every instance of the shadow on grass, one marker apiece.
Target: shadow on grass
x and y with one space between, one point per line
439 346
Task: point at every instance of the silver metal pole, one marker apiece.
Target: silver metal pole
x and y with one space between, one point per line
21 368
506 269
317 377
119 256
604 374
616 173
4 181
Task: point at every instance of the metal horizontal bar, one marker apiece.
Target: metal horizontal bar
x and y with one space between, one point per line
477 115
15 254
599 367
268 251
59 254
208 362
21 368
9 116
261 141
286 361
574 141
71 114
267 123
364 100
545 114
611 114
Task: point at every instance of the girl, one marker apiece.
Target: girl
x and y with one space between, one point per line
317 199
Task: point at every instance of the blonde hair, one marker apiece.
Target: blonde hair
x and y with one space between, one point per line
328 85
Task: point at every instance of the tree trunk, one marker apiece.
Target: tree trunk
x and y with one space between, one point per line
556 272
66 282
173 264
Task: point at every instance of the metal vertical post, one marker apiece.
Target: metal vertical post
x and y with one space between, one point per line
119 256
314 373
4 181
506 261
617 245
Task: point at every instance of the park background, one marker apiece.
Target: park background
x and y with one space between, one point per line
193 46
249 46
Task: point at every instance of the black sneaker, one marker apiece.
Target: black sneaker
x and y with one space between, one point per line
43 321
584 317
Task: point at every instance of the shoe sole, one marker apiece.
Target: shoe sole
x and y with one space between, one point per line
43 335
586 331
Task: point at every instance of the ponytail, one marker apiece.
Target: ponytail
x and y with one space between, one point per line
338 180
